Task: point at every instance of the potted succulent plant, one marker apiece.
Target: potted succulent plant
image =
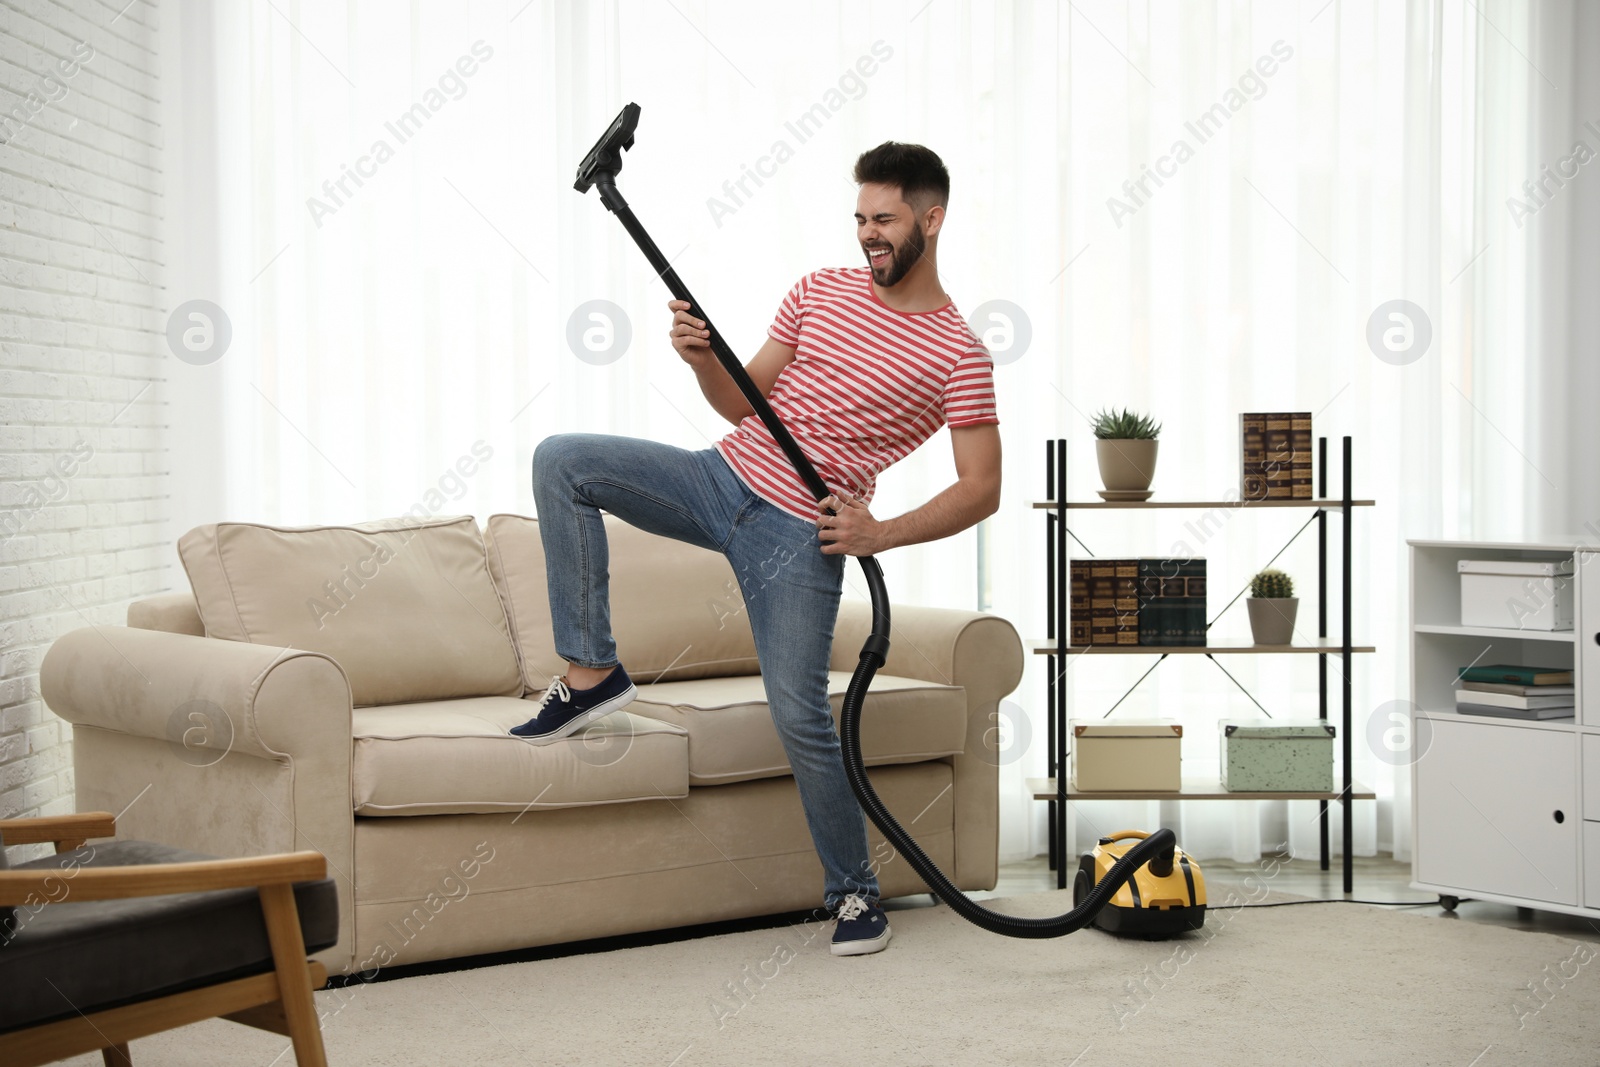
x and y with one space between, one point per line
1272 606
1125 446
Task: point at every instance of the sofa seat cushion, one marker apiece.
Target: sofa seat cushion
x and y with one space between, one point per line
732 739
75 957
455 756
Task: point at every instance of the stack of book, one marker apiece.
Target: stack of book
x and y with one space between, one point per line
1276 447
1138 602
1514 692
1105 602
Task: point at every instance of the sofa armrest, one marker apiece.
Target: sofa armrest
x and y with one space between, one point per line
173 612
983 654
215 746
195 692
968 648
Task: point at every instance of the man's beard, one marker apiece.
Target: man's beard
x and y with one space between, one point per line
902 259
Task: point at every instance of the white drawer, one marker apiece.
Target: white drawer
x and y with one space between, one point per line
1591 776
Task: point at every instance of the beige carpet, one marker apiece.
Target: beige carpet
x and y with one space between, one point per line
1330 985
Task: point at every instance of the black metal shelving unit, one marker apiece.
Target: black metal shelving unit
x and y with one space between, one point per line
1059 652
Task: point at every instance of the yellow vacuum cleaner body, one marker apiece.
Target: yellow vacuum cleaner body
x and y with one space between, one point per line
1161 900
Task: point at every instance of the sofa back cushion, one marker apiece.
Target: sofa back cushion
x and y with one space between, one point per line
676 609
406 607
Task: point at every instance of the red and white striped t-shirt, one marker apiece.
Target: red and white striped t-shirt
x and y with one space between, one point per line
867 386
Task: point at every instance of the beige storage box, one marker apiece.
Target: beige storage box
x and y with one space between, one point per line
1126 755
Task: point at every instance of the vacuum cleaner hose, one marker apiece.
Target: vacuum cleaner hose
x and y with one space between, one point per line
599 168
1158 846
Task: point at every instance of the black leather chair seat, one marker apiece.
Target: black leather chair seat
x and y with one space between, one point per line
67 957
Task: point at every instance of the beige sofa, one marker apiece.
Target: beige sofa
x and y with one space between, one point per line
349 689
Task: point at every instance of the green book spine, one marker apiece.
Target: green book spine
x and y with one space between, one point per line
1172 604
1518 675
1149 594
1194 602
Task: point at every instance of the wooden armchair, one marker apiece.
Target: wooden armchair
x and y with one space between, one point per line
213 961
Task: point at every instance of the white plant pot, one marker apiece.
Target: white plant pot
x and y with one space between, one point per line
1272 619
1126 464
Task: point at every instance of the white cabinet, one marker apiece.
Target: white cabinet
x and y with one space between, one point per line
1497 811
1504 809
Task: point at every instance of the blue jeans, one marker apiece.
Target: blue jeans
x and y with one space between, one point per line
791 593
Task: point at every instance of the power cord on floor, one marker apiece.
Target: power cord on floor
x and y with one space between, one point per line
1333 900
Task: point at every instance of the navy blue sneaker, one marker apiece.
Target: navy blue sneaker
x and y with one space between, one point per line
862 927
563 712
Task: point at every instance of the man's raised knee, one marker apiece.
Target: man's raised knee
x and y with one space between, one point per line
554 453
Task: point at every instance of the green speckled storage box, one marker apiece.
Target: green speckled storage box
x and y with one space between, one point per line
1277 757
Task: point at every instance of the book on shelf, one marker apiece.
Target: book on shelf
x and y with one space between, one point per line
1515 713
1126 592
1279 444
1113 609
1102 602
1192 572
1300 430
1078 603
1510 700
1275 451
1512 674
1149 601
1172 607
1252 433
1519 690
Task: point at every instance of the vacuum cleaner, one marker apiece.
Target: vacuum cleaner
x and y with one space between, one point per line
1164 897
1117 863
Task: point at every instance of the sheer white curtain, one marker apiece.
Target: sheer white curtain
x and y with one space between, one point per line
404 257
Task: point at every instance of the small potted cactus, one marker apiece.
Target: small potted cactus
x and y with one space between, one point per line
1272 605
1125 446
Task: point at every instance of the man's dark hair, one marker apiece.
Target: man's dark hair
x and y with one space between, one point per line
918 172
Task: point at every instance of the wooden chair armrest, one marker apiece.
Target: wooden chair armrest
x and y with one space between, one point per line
66 832
156 879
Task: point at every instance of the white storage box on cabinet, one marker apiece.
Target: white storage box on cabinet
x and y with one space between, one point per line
1126 755
1279 757
1516 594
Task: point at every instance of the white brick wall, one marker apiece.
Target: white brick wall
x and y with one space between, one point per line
83 472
